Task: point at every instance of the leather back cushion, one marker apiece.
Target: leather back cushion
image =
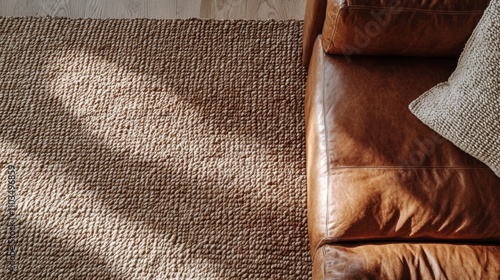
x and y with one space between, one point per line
400 27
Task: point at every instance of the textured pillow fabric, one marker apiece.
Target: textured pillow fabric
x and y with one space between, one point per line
466 108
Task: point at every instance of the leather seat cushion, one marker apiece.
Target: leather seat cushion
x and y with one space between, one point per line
407 261
375 171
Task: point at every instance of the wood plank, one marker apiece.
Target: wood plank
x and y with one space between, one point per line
124 9
95 9
214 9
223 9
188 9
27 8
296 10
266 9
159 9
61 8
7 8
275 9
162 9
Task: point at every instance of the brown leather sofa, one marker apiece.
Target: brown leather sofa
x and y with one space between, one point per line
388 198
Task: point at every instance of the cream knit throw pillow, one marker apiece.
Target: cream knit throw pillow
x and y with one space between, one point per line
466 109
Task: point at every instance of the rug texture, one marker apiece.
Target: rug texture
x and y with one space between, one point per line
152 149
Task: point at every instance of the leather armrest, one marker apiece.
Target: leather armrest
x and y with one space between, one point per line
313 24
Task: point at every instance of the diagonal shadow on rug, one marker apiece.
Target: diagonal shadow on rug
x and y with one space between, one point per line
152 149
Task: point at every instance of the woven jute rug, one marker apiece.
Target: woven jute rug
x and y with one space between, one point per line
152 149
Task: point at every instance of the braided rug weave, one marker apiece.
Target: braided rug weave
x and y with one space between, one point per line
152 149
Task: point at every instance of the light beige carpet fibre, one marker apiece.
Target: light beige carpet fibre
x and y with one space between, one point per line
153 149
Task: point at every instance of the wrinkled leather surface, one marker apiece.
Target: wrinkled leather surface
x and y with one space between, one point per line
407 261
397 27
313 24
375 171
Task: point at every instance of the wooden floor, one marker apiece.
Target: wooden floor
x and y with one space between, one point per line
214 9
